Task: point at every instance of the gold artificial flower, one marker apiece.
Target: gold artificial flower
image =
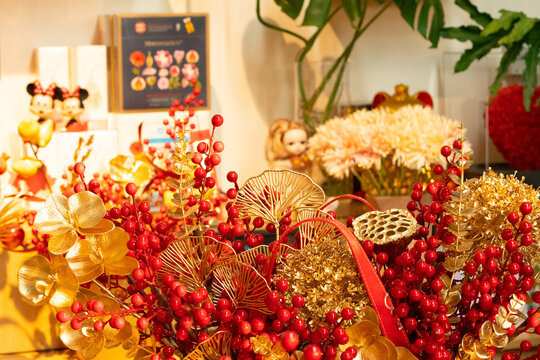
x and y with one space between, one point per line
90 342
91 257
41 281
62 218
371 345
138 169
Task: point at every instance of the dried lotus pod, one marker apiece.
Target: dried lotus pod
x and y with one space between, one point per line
390 230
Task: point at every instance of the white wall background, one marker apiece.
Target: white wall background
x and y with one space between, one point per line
251 67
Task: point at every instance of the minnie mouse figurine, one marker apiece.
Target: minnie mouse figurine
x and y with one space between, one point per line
72 107
42 102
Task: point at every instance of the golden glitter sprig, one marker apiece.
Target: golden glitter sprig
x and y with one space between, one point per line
325 273
483 215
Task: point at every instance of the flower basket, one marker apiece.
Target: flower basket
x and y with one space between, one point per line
447 279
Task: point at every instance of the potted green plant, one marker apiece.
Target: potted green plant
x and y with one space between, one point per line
512 30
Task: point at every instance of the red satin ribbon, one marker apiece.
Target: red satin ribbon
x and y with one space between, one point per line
349 196
380 300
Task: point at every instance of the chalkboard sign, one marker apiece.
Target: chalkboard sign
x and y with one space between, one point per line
161 58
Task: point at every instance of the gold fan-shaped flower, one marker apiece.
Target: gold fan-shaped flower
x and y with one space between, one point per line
41 281
248 256
217 346
275 193
91 257
315 230
243 284
193 259
62 218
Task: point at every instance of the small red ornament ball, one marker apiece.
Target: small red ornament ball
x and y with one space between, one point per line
217 120
312 352
131 189
290 340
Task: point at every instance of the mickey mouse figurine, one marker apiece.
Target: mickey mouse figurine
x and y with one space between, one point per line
72 107
42 103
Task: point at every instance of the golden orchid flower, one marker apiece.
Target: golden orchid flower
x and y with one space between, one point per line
371 345
90 342
91 257
41 281
62 218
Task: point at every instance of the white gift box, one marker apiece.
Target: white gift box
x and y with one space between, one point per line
88 68
53 65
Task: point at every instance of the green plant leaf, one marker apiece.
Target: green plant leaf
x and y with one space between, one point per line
408 10
508 58
317 13
430 20
503 23
478 50
291 8
520 29
481 18
463 33
353 8
530 73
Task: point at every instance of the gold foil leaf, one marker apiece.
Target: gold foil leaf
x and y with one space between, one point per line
275 193
383 227
193 259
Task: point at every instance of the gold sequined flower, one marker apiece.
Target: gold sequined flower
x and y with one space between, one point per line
63 218
371 345
325 273
485 204
41 281
105 253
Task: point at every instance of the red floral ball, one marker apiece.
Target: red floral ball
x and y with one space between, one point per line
514 131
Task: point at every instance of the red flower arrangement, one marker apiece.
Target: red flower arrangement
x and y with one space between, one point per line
445 278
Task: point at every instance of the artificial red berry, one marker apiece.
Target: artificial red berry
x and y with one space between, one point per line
63 316
79 168
232 176
217 120
525 208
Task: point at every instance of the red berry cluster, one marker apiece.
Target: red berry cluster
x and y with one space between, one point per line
414 278
94 310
